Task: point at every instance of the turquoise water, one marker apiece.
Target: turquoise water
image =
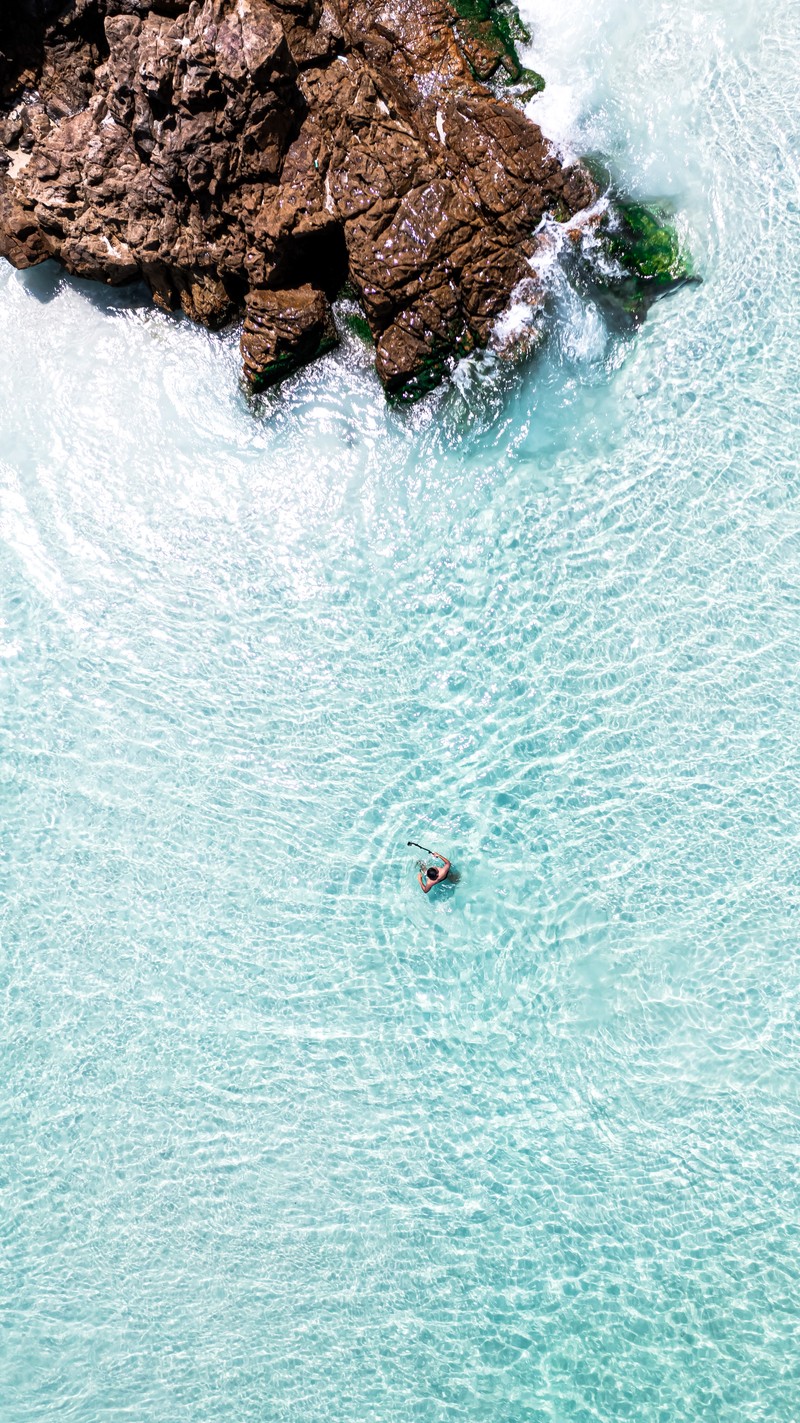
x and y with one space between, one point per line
282 1139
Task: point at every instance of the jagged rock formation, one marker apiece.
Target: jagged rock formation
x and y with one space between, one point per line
253 155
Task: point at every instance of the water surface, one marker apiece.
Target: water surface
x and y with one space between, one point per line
282 1138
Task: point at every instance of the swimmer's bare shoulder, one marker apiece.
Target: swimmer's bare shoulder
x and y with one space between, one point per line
438 877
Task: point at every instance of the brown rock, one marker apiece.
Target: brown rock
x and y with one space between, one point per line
283 330
251 155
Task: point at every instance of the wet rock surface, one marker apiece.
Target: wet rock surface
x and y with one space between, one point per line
252 156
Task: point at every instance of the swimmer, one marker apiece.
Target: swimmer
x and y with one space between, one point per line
430 875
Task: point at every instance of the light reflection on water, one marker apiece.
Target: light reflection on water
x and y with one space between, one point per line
281 1137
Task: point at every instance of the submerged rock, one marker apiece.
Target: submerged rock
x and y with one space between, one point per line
253 155
644 257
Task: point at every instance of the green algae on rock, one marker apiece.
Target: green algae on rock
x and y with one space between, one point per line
526 86
435 359
647 256
360 327
642 240
489 32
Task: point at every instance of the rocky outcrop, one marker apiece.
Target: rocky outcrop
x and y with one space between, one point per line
253 156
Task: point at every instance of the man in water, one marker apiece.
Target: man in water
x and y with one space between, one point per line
430 875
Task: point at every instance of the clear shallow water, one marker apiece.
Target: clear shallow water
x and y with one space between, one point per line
282 1139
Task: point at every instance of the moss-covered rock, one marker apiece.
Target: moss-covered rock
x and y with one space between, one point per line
406 387
527 84
648 257
643 239
359 326
489 32
283 364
